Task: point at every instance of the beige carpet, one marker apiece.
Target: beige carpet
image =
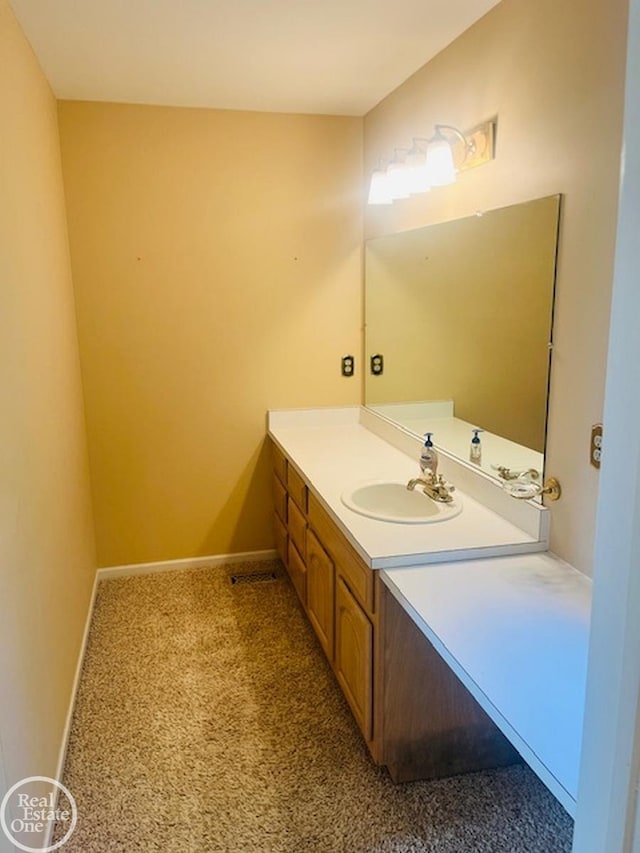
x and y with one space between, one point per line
208 720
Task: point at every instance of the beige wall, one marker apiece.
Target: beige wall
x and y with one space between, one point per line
217 265
47 556
553 73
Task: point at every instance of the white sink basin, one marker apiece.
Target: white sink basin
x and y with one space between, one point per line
391 501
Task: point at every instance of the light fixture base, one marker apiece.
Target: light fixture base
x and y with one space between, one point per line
480 147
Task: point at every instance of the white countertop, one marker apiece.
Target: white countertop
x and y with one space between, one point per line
341 453
515 630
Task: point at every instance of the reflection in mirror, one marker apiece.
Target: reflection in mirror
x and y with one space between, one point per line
461 312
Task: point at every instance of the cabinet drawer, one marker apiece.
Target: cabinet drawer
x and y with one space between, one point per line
297 488
279 463
297 573
282 539
320 593
297 527
279 499
358 576
354 657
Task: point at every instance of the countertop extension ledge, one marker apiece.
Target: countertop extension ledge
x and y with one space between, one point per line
515 630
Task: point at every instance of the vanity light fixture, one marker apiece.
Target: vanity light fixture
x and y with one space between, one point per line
433 162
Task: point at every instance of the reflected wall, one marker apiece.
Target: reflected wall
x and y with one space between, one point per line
462 311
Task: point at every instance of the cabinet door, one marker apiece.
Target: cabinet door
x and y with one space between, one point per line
354 657
320 588
297 488
297 528
279 463
358 576
297 572
279 499
282 540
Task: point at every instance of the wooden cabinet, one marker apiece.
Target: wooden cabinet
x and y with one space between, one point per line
350 565
415 715
279 500
279 493
297 488
355 621
433 726
335 586
282 539
320 593
297 528
297 572
279 462
354 657
289 519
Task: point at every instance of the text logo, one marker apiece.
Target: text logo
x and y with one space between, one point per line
32 808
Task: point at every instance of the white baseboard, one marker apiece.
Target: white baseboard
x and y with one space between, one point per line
183 565
64 745
76 681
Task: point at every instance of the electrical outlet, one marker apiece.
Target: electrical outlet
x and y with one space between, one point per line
377 364
595 450
348 365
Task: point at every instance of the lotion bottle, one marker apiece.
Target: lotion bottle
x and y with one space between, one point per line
475 452
429 457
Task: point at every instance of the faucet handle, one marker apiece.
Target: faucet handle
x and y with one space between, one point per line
443 489
448 487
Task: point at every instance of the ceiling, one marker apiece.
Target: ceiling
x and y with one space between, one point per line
311 56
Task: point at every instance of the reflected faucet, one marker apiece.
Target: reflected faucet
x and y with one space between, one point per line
507 474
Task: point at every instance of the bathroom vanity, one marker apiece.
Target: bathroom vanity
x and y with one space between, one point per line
413 618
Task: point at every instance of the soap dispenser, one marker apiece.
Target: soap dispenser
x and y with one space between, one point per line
429 457
475 452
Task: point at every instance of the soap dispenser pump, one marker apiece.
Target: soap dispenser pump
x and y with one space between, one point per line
429 457
475 452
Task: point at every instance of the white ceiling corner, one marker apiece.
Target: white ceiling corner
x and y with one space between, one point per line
309 56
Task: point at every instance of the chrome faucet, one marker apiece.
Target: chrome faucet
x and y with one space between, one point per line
433 486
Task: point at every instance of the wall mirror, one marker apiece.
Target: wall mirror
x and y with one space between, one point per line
461 313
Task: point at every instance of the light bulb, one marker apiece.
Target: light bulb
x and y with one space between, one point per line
379 188
417 174
439 162
398 180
